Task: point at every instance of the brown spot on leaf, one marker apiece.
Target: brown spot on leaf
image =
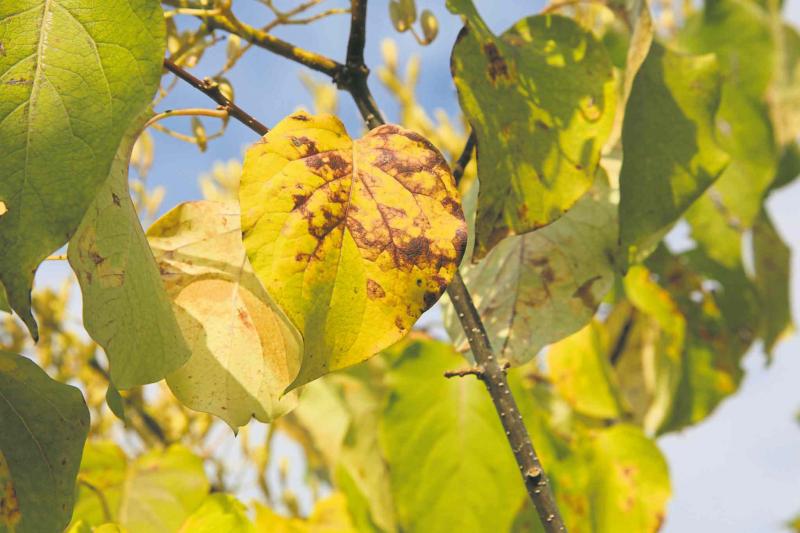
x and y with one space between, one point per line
398 322
430 298
301 117
115 199
374 289
584 292
548 276
498 68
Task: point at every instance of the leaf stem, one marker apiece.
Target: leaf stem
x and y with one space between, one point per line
221 113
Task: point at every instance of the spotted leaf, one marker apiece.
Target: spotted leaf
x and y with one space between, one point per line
541 101
353 238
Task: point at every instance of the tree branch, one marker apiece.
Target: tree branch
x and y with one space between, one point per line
211 89
465 157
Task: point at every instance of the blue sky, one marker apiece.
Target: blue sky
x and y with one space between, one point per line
737 472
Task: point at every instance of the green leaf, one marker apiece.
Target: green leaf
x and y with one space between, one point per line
772 259
75 74
535 289
541 100
4 300
670 152
580 372
154 493
245 352
44 426
123 296
115 403
219 513
449 430
354 239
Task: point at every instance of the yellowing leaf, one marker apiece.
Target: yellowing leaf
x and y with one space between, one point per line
353 239
74 76
541 100
244 350
580 372
219 513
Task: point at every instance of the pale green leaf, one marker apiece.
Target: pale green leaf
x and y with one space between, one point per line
535 289
153 493
43 426
541 100
75 74
245 352
125 307
670 152
440 437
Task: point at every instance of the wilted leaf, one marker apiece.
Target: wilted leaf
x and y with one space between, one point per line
73 80
219 513
123 295
153 493
537 288
540 99
449 431
244 350
43 428
353 239
772 258
579 369
670 152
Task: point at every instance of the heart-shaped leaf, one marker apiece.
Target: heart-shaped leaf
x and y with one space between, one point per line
353 239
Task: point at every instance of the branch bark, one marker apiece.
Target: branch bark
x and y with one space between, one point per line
211 89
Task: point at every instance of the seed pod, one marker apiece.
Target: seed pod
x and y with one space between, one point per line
430 26
409 10
396 15
234 46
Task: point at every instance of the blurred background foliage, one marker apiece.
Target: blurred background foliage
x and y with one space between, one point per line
664 349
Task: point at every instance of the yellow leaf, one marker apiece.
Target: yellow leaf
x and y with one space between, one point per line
353 239
244 350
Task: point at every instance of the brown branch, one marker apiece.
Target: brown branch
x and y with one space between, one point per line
211 89
476 371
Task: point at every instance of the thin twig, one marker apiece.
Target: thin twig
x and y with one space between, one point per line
465 157
221 113
212 90
476 371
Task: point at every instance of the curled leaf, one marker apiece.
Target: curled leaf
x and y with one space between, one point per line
353 239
